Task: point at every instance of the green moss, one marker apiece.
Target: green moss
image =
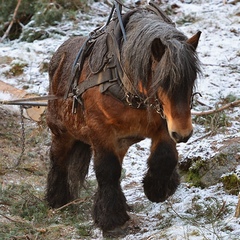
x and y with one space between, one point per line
17 68
221 159
194 178
213 122
191 171
73 4
187 19
228 99
50 15
31 34
26 8
231 183
204 173
84 229
24 14
37 13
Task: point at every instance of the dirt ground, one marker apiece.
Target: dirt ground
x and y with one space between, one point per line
36 140
23 212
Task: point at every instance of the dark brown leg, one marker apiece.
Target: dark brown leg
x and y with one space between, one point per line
109 211
162 179
69 165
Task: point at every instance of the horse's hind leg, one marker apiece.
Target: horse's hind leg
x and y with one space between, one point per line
109 211
162 179
78 166
69 166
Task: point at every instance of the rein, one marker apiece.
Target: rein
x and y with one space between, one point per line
35 101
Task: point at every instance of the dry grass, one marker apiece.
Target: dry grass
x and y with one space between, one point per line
24 214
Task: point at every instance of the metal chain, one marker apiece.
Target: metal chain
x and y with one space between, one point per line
22 137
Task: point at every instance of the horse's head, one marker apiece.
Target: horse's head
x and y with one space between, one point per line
175 67
160 60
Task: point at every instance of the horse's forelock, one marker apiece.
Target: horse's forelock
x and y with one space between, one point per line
179 64
177 70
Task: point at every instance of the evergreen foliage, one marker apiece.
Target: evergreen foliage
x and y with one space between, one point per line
39 12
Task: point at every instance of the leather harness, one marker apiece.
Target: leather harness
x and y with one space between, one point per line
109 73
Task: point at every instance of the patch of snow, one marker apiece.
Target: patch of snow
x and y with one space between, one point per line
220 54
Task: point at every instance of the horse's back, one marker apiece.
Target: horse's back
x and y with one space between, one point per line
59 115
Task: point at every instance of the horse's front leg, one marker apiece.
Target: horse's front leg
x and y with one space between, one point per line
110 208
162 179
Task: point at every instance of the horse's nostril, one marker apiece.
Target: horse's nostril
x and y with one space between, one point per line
178 138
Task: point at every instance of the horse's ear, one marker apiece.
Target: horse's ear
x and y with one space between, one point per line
158 49
193 41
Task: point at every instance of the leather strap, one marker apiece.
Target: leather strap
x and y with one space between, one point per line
154 7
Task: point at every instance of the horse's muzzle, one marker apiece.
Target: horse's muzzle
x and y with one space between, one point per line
179 138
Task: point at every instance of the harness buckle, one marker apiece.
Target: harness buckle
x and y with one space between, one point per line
159 108
128 100
76 101
74 104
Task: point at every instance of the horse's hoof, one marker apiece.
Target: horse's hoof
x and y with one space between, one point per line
130 227
158 191
116 233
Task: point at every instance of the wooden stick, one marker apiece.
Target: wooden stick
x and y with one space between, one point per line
229 105
74 202
237 213
11 23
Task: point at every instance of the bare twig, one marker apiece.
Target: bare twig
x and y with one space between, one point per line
5 203
74 202
11 220
189 219
11 23
202 137
222 209
237 213
229 105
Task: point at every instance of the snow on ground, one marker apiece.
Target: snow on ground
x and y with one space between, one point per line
219 51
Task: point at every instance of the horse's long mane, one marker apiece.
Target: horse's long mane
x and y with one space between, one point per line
179 64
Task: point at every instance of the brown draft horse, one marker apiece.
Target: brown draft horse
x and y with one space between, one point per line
149 97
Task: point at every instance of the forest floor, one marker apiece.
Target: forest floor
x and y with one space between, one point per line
194 211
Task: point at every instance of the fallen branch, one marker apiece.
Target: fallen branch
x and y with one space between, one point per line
237 213
11 23
221 210
229 105
200 138
74 202
11 219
